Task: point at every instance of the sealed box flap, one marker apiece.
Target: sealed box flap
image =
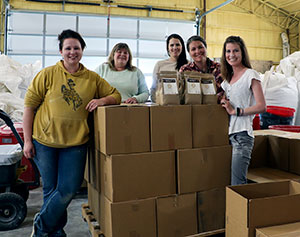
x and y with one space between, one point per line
177 215
133 218
140 175
171 127
203 169
210 125
123 129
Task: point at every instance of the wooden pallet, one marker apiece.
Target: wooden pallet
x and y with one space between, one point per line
94 227
88 216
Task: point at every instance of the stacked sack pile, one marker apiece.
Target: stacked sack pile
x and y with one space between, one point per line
14 80
281 85
161 170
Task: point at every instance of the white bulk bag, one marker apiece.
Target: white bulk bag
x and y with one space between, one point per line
280 90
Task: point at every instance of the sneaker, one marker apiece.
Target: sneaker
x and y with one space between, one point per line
33 231
33 227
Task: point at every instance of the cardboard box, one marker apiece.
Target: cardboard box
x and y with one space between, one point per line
211 210
265 174
294 153
288 230
94 201
177 215
203 168
253 206
210 99
210 126
92 168
122 129
279 152
138 175
171 127
86 170
259 156
128 219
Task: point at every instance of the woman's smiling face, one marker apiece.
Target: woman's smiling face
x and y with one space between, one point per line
71 51
233 54
197 51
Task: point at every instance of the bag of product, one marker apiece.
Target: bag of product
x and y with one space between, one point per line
192 87
208 89
169 88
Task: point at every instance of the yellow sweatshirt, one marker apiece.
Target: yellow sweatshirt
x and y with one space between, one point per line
60 99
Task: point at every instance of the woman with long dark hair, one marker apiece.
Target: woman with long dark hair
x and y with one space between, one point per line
177 58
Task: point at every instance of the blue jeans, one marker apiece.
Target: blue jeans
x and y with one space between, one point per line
267 119
242 145
62 171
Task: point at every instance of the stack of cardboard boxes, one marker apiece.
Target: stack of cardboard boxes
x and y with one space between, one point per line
270 207
275 156
159 170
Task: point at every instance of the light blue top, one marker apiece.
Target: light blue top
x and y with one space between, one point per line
128 83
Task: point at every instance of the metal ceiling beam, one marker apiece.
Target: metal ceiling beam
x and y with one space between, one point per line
269 12
288 3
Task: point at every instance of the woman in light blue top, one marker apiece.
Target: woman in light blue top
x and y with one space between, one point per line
119 73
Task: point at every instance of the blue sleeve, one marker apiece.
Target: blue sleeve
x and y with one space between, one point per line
143 92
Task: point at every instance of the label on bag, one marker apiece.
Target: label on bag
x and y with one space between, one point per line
193 86
208 87
170 86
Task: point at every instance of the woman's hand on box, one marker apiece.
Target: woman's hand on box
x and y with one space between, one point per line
131 100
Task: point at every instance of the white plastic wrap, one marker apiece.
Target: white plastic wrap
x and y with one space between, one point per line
281 85
280 90
14 80
10 154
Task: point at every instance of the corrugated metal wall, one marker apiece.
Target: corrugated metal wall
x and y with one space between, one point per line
262 38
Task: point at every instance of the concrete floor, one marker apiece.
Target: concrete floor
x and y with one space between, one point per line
76 226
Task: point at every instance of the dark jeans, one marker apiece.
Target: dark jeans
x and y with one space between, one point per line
62 171
267 119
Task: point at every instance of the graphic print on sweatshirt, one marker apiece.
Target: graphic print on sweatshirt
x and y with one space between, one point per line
70 95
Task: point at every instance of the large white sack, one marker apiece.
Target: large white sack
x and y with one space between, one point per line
297 114
14 80
280 90
287 67
295 59
12 105
9 74
15 77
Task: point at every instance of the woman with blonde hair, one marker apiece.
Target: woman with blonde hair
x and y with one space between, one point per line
119 72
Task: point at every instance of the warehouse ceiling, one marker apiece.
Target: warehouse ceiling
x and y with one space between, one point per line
283 13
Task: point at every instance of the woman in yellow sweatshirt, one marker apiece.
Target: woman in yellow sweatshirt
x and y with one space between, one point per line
56 107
